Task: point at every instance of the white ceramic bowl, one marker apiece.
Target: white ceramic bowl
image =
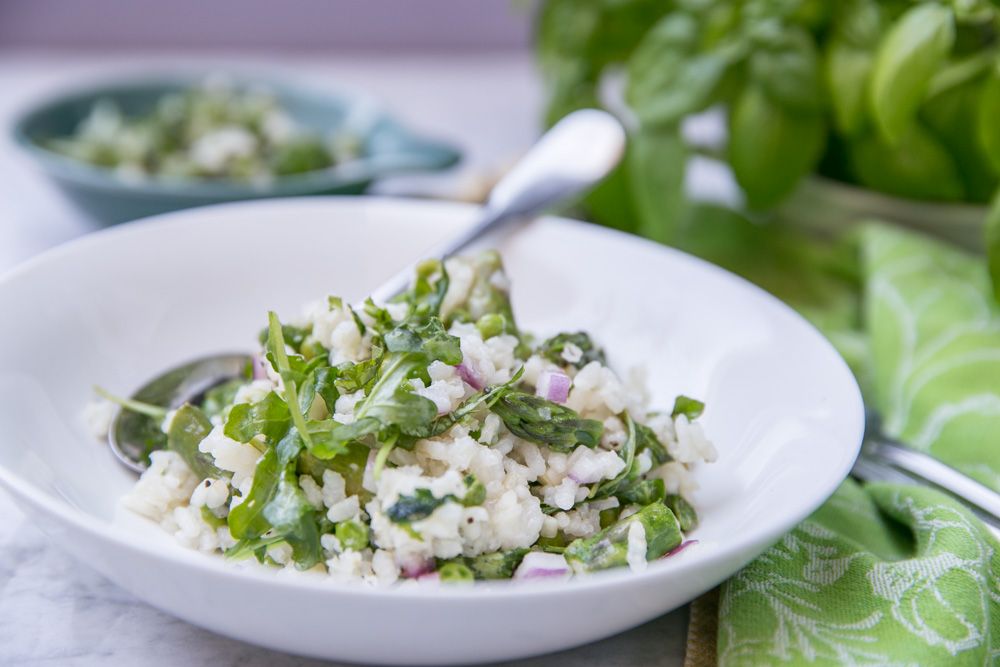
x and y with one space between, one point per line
120 306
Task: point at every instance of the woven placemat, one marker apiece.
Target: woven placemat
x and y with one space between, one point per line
703 631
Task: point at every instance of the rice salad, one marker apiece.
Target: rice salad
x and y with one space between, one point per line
215 130
427 439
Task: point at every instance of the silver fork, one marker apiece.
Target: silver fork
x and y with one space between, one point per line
882 460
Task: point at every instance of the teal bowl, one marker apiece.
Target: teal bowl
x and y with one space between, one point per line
387 148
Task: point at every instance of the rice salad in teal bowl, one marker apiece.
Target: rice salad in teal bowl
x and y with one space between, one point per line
425 441
146 144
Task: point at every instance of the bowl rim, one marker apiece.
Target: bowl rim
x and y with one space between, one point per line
284 84
23 491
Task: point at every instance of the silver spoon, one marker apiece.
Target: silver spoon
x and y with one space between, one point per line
579 151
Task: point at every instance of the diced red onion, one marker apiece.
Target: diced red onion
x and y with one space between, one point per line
541 565
414 567
430 576
471 375
679 548
553 385
259 370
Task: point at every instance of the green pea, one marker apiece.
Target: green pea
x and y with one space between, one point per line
456 572
490 325
352 535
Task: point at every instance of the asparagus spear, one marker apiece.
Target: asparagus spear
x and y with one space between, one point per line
609 548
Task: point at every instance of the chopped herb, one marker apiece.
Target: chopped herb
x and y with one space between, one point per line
688 407
553 349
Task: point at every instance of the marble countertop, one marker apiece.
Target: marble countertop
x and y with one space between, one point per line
54 610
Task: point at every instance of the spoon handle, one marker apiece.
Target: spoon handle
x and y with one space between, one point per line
576 153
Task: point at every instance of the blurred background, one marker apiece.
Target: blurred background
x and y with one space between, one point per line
455 72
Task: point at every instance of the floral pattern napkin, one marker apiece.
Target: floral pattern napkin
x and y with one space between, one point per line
889 574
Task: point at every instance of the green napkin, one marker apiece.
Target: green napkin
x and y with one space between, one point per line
935 337
892 574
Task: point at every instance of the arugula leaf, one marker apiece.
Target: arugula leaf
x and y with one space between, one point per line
383 320
247 520
325 385
427 294
431 339
350 464
688 407
218 399
420 505
553 348
279 359
268 416
483 400
546 423
276 503
352 377
293 336
256 547
187 429
331 438
293 518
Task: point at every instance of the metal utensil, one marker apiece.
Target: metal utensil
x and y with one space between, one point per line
882 460
579 151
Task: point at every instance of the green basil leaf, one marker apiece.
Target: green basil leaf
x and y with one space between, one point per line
657 162
951 116
771 147
668 78
787 69
848 69
988 121
918 166
917 44
993 245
